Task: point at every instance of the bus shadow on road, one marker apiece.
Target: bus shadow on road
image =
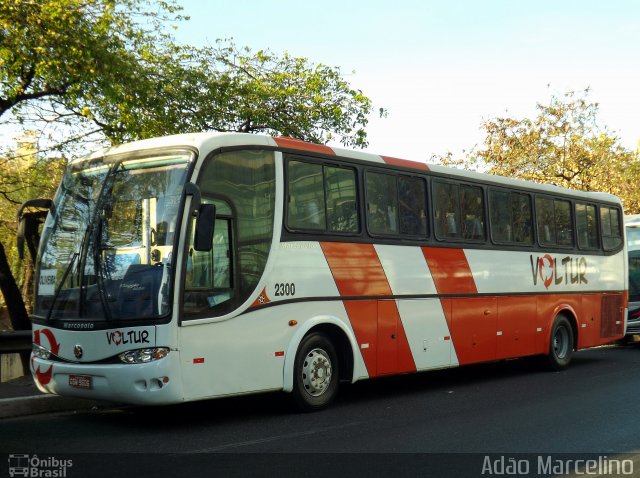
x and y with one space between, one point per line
430 385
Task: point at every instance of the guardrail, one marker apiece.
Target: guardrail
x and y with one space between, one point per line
16 341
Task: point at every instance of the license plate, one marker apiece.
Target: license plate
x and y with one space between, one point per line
80 381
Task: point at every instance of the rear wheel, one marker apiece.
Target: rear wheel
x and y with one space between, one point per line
560 344
315 381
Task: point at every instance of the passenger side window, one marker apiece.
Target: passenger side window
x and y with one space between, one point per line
382 204
447 210
459 211
412 194
341 203
510 217
306 196
396 205
611 228
587 226
554 222
322 198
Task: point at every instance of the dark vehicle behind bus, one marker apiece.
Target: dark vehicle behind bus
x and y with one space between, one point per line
632 226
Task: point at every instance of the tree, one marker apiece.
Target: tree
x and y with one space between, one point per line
563 145
72 53
226 88
24 175
107 71
69 53
223 88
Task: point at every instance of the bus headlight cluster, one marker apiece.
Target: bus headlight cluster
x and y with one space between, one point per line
144 355
40 352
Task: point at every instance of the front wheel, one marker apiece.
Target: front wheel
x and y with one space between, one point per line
315 383
560 344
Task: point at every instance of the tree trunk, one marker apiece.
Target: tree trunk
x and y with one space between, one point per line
12 297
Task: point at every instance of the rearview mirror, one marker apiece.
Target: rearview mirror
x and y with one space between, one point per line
203 238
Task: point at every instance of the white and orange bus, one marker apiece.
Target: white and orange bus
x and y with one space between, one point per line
211 265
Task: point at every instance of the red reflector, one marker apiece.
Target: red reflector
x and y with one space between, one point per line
447 337
198 360
280 354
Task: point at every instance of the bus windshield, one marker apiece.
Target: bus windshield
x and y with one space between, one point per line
108 241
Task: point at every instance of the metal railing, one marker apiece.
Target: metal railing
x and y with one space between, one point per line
17 341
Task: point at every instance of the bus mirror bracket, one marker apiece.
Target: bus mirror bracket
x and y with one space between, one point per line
28 224
191 189
203 240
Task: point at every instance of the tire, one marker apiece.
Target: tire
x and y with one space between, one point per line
560 344
316 374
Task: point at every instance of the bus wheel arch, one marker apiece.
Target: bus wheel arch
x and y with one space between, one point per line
317 330
343 348
563 340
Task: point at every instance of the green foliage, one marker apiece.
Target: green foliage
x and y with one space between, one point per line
563 145
72 50
106 70
24 176
224 88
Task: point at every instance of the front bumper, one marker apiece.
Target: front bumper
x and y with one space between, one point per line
633 327
153 383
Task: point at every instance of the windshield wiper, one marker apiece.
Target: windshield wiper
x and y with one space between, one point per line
74 257
97 264
59 288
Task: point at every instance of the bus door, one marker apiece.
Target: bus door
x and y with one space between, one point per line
209 282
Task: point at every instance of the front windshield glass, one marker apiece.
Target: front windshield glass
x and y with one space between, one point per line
107 244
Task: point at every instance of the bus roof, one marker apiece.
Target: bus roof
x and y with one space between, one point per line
213 140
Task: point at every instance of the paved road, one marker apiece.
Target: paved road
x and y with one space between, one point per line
502 408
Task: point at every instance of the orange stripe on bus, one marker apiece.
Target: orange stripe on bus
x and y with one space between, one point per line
356 269
450 270
292 143
357 272
405 163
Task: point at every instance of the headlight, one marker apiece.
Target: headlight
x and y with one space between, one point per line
144 355
40 352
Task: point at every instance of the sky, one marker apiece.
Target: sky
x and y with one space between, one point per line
441 67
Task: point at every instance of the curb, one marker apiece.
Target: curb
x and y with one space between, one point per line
18 407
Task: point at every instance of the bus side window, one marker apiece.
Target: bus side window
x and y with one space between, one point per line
472 212
411 199
382 203
586 226
306 208
447 209
564 223
545 220
521 218
610 225
340 193
499 216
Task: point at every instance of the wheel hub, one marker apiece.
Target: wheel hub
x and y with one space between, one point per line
561 342
316 372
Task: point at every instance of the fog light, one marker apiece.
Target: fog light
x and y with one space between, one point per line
144 355
40 352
